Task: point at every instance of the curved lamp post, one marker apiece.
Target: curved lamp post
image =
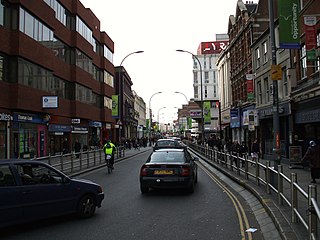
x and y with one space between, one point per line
150 116
183 95
159 115
201 92
121 92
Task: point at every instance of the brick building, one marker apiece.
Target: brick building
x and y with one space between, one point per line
56 78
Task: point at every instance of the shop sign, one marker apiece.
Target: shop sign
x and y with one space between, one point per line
234 123
195 113
31 118
59 128
5 117
75 129
75 120
50 102
108 125
308 116
95 124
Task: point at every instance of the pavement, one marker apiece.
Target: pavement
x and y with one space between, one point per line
280 214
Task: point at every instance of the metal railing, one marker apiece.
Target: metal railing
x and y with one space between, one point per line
77 161
288 190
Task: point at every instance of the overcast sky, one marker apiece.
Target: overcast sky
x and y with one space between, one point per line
159 28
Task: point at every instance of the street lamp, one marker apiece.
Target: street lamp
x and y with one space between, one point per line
159 116
183 95
201 92
150 115
121 93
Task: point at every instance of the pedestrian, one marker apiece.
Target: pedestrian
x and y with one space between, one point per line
243 151
255 150
65 146
77 148
313 155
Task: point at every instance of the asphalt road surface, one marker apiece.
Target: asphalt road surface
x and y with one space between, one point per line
211 212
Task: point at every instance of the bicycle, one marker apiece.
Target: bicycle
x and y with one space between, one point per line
108 161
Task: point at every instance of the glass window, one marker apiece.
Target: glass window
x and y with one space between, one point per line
108 79
259 92
32 174
107 53
285 82
108 102
1 68
265 52
84 31
303 61
160 157
6 177
257 57
28 24
83 94
83 61
1 14
267 90
195 77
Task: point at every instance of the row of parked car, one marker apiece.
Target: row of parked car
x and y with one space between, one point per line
170 165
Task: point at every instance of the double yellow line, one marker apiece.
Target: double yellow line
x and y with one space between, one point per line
242 217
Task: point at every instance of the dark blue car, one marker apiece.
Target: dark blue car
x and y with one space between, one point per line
33 190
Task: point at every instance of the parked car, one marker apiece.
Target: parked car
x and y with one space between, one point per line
32 190
167 143
169 168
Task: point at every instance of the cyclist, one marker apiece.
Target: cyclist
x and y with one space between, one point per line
109 148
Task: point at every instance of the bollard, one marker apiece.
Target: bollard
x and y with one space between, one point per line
80 162
268 177
312 217
246 167
257 172
238 164
72 159
280 184
94 157
61 162
294 198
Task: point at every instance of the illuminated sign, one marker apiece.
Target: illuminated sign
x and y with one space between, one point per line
212 47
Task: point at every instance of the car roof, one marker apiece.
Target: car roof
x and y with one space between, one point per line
15 160
169 150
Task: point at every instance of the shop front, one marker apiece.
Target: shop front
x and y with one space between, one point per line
307 123
79 133
29 135
5 120
59 138
95 134
267 132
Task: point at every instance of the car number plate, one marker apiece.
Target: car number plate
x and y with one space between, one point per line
163 172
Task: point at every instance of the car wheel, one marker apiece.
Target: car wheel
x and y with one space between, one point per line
86 206
144 189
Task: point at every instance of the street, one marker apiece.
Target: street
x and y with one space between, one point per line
208 213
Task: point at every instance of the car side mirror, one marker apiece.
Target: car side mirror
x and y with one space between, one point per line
195 159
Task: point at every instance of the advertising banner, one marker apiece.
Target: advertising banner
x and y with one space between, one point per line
250 92
206 112
311 37
115 106
289 32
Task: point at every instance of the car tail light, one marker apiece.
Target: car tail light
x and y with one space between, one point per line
185 171
143 171
100 189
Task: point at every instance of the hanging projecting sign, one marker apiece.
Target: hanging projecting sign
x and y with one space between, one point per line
289 30
115 106
311 37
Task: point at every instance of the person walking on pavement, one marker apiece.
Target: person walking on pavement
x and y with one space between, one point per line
109 148
77 148
255 150
313 155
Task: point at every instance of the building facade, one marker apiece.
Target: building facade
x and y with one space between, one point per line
140 110
56 77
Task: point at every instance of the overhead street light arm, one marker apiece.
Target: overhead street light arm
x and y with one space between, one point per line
201 91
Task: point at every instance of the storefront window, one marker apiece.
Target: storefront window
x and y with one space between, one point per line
3 138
